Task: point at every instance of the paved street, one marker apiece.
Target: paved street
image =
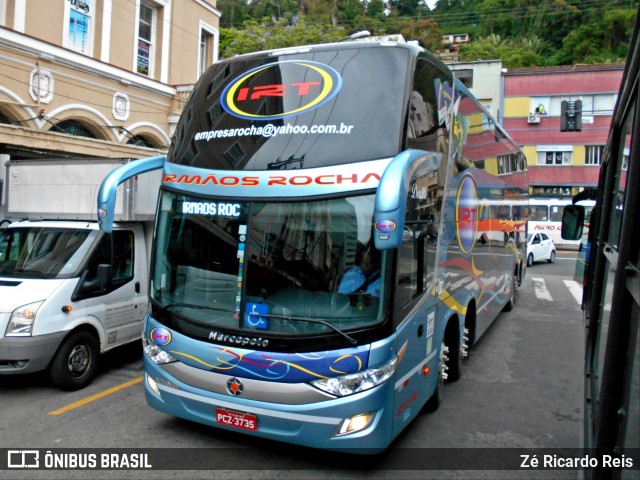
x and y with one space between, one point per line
521 388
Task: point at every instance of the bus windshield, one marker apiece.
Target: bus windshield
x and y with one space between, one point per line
300 268
295 110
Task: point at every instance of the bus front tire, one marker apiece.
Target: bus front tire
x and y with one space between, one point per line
73 365
454 356
436 398
511 303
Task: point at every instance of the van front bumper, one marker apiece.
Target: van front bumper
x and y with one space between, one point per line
28 354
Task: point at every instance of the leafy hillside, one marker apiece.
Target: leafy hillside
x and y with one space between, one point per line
522 33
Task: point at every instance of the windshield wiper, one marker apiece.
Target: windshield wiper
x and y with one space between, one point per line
169 306
349 339
27 272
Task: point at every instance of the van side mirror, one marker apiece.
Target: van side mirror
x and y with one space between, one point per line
572 222
102 280
88 288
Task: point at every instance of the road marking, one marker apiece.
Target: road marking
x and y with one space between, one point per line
97 396
576 290
540 289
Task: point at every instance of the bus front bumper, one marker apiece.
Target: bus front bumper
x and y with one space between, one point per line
316 425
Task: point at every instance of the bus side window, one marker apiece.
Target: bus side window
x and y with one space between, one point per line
416 257
556 213
423 130
539 213
411 270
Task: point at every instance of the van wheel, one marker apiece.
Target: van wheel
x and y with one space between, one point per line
552 257
511 303
435 400
73 365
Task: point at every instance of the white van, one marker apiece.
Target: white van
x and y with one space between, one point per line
68 291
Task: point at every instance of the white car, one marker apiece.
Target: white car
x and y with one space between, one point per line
540 247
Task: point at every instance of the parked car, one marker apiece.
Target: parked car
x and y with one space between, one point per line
540 247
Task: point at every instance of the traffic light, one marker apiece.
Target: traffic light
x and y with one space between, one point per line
571 116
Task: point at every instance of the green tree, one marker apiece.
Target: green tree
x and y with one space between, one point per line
514 53
408 8
425 31
519 32
604 40
375 9
374 25
349 10
254 36
235 12
278 9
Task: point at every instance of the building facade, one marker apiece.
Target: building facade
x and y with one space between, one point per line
484 79
98 78
560 163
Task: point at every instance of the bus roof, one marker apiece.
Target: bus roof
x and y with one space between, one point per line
301 107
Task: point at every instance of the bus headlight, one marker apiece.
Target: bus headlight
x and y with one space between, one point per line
357 382
155 353
355 424
21 321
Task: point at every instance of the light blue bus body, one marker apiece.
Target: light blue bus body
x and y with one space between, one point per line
329 243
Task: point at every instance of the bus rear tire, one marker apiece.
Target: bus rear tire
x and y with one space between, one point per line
73 365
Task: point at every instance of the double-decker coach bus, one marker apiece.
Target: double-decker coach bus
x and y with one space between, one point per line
319 266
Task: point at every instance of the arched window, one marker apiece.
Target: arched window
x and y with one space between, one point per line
6 118
73 127
140 141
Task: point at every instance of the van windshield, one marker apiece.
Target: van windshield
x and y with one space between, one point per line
324 107
43 252
295 269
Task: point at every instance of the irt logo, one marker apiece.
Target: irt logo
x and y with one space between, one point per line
244 97
385 226
466 214
274 91
160 336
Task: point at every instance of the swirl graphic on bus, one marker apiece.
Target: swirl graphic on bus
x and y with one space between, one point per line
289 367
248 94
467 214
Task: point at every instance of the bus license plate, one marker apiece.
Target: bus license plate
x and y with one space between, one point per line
243 421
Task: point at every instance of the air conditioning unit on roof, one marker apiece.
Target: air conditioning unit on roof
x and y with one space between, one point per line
533 119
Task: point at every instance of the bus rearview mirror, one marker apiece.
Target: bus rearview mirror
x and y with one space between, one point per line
572 222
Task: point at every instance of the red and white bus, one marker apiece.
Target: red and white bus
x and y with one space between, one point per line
545 216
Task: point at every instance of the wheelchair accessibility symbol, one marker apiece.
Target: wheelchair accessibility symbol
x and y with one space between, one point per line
253 318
